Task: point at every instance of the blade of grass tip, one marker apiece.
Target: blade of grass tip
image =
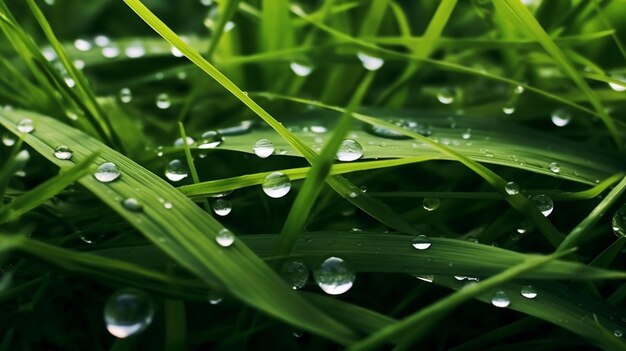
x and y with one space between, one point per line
296 220
518 201
45 191
192 166
589 193
518 13
228 9
369 205
175 325
413 327
427 45
576 236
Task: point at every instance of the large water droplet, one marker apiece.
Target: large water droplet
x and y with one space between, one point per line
302 68
619 222
25 125
295 273
163 101
421 242
349 150
511 188
210 139
370 63
222 207
529 292
544 203
128 312
132 204
63 152
334 276
176 171
500 299
554 167
276 185
445 96
561 117
126 95
431 203
225 238
263 148
616 86
107 172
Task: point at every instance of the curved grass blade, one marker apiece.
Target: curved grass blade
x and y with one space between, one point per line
181 229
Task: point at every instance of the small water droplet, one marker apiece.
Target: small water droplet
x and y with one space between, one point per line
619 222
176 171
544 203
8 139
431 203
222 207
295 273
500 299
518 89
135 50
263 148
421 242
210 139
102 40
175 52
276 185
511 188
107 172
508 109
126 95
467 134
445 96
334 276
163 101
370 63
302 68
179 142
132 204
349 150
561 117
426 278
318 129
618 333
111 51
128 312
168 205
554 167
214 297
63 152
225 238
82 45
529 292
25 125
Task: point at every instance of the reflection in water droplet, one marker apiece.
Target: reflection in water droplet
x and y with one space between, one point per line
276 185
107 172
63 152
128 312
544 203
500 299
225 238
334 276
263 148
370 63
445 96
511 188
421 242
295 273
349 150
176 171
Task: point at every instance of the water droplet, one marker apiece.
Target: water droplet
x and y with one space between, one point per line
508 109
295 273
297 334
222 207
128 312
79 64
102 40
500 299
445 96
619 222
561 117
176 171
132 204
460 277
126 95
544 203
263 148
616 86
179 141
163 101
63 152
210 139
242 128
370 63
426 278
518 89
25 125
206 2
301 69
618 333
276 185
8 139
554 167
82 45
529 292
225 238
214 297
318 129
511 188
334 276
107 172
175 52
111 52
135 50
349 150
421 242
168 205
431 203
90 238
467 134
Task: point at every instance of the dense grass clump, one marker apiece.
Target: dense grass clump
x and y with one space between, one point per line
274 174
